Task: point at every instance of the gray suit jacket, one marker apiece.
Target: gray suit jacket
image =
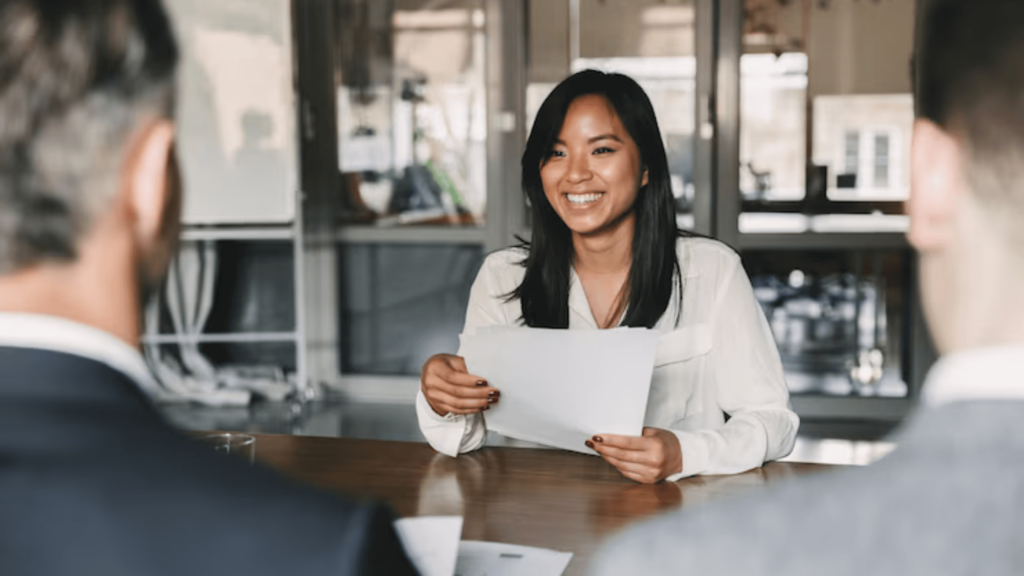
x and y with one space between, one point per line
949 500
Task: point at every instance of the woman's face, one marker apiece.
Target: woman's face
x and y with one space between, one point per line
593 174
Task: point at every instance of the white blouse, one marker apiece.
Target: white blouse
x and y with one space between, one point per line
718 359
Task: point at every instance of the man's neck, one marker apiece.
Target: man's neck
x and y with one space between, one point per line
989 310
98 290
993 314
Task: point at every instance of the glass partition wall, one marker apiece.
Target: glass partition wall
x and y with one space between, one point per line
415 130
412 111
787 125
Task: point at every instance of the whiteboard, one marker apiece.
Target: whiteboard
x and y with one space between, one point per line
236 111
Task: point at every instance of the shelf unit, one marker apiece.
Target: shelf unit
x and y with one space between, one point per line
822 241
241 153
411 234
222 338
239 233
293 234
821 407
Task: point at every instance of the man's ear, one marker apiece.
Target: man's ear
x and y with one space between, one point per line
147 180
936 182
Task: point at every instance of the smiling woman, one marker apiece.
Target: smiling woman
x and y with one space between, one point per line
605 251
596 133
591 179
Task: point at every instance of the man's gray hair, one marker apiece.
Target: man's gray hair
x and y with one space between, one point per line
77 78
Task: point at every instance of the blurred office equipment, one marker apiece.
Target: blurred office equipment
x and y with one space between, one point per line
832 324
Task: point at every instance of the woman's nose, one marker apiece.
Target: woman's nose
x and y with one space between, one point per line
579 169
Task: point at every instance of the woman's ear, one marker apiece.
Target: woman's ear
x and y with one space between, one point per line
643 178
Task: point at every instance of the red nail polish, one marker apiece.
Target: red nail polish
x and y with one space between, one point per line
494 393
481 383
486 408
598 439
589 444
492 399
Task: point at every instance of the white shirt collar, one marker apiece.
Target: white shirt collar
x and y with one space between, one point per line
578 300
59 335
995 373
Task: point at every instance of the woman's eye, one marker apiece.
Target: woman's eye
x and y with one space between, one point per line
556 154
603 150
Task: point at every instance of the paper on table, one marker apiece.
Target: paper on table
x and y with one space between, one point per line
560 387
497 559
432 542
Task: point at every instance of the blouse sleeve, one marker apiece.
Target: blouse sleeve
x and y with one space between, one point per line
747 379
454 434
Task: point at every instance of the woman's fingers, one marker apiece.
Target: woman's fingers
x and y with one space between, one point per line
456 374
641 457
452 373
449 388
634 471
626 465
458 363
649 456
468 392
443 398
461 405
466 389
468 401
623 442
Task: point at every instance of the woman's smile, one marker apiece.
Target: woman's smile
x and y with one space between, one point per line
583 200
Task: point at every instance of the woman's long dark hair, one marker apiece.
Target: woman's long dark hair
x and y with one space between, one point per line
654 269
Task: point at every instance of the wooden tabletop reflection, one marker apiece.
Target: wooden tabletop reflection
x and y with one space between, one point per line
534 497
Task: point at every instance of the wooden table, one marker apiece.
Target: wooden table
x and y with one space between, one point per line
547 498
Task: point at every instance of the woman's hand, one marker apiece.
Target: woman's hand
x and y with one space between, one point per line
648 459
449 387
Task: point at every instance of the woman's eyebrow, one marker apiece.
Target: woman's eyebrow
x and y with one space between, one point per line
592 139
604 137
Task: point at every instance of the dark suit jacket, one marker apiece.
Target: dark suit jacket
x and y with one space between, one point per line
93 482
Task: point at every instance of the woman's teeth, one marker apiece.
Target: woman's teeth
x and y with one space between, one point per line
583 198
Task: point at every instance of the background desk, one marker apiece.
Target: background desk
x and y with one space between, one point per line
547 498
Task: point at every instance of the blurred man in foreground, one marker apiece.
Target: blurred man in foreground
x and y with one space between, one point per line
950 499
91 480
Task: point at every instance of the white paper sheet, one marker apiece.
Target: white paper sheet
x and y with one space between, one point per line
432 542
560 387
497 559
